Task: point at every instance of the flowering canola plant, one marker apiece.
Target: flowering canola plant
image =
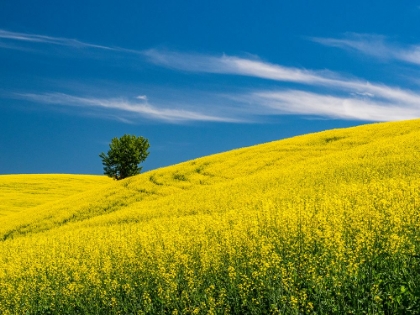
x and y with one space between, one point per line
326 223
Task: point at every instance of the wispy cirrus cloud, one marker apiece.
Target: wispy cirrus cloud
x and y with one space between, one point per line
338 96
256 68
235 66
242 107
335 95
36 38
374 45
351 107
125 109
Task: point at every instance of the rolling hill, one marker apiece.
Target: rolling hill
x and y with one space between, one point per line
325 223
20 192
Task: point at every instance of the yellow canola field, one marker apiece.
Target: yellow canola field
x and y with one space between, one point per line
19 192
327 223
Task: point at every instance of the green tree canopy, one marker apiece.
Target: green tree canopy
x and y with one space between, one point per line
124 156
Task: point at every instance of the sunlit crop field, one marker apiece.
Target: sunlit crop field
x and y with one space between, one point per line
327 223
18 192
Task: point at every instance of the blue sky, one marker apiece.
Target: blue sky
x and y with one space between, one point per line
196 77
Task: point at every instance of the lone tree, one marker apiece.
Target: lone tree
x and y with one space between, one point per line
124 156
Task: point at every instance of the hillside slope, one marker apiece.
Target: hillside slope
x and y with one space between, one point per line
326 223
338 156
19 192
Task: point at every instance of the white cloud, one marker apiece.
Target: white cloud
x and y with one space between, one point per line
337 96
257 68
245 107
411 55
375 46
124 107
308 103
233 65
36 38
